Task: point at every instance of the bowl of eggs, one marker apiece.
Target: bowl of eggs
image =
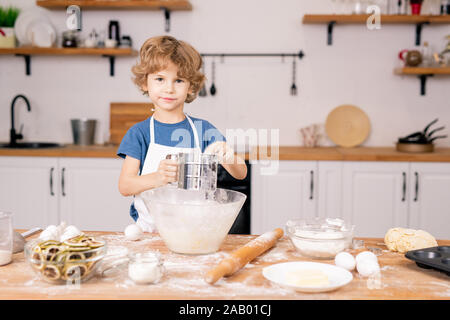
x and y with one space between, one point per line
320 238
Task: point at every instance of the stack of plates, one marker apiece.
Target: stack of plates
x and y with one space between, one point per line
34 28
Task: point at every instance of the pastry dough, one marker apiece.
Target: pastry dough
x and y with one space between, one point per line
403 240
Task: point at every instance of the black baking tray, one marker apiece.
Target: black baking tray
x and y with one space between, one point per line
432 258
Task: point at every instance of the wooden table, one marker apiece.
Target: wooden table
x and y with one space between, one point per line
400 277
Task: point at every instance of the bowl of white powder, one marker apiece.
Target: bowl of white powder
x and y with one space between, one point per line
193 221
320 238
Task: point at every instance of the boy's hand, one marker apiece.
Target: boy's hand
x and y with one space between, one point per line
224 153
167 171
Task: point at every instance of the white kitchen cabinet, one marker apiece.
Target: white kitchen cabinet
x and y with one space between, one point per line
90 197
29 189
288 193
329 188
375 196
429 198
81 191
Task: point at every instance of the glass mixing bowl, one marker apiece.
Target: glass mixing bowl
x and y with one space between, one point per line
320 238
59 263
193 221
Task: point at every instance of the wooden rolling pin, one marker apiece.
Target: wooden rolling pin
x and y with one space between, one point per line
244 255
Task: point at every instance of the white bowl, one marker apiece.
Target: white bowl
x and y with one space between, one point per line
320 238
190 221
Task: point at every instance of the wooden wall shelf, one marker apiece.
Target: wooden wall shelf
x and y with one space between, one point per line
118 4
27 52
167 6
69 51
422 70
332 19
422 73
362 18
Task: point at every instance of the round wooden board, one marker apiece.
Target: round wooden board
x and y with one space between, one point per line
347 126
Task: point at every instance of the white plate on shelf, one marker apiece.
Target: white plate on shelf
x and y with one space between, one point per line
23 21
278 273
41 33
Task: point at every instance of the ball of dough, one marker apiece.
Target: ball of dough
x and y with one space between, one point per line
133 232
403 240
345 260
366 255
367 267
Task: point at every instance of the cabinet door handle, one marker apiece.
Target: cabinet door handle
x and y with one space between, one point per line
51 181
404 187
311 193
416 196
62 182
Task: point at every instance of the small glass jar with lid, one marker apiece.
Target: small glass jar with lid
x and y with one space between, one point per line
145 267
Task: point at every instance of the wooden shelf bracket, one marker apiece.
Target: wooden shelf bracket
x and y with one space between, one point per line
27 58
419 31
423 82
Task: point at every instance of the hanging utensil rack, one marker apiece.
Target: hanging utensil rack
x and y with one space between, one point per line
298 55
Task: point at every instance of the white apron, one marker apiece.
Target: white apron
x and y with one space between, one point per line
156 153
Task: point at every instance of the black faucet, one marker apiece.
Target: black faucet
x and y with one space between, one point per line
13 136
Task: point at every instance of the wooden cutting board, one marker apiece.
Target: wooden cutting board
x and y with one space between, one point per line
123 115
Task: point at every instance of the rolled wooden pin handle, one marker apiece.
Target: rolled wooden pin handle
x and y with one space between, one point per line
244 255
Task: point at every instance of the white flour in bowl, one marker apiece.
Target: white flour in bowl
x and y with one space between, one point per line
319 244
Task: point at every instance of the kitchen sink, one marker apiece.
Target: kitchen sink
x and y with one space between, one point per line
30 145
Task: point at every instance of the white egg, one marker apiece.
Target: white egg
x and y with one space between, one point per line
133 232
49 234
52 228
68 235
62 227
72 229
345 260
367 267
366 255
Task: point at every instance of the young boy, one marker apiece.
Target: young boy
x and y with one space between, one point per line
169 72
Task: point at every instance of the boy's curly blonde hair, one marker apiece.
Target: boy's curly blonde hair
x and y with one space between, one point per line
155 55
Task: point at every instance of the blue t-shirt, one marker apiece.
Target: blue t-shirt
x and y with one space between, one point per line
137 139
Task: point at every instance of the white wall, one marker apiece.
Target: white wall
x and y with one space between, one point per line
252 93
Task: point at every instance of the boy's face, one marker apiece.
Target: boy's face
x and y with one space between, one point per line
166 89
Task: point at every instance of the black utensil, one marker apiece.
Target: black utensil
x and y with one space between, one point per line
429 125
434 138
433 131
419 140
413 135
293 87
202 92
213 90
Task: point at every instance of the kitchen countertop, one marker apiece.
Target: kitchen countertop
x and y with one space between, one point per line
285 153
400 277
